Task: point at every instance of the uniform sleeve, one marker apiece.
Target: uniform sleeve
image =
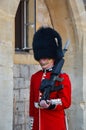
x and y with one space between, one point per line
33 112
65 93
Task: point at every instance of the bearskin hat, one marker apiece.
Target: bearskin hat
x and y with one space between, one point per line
47 43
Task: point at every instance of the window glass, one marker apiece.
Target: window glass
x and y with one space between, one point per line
25 25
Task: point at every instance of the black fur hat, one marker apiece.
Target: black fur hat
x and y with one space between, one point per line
47 43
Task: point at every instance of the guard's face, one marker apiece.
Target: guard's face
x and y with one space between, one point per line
46 63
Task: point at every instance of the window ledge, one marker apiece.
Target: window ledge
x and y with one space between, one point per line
24 58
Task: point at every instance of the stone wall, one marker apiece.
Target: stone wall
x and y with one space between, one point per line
6 86
22 75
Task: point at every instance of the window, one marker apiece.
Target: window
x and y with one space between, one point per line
84 4
25 25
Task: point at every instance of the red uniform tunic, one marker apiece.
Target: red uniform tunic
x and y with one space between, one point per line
45 119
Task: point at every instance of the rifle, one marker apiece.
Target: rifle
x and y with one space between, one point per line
48 85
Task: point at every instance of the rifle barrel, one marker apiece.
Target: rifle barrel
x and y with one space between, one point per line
66 46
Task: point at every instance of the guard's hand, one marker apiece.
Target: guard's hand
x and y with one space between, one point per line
44 104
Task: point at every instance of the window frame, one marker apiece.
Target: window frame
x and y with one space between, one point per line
21 26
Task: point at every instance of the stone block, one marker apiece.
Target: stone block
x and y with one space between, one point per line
20 106
24 94
24 71
16 71
18 127
16 94
6 54
19 83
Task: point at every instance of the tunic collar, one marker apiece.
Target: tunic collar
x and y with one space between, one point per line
48 70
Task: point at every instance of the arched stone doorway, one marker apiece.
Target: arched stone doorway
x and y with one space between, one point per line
7 15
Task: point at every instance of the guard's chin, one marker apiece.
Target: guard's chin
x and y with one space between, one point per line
44 64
